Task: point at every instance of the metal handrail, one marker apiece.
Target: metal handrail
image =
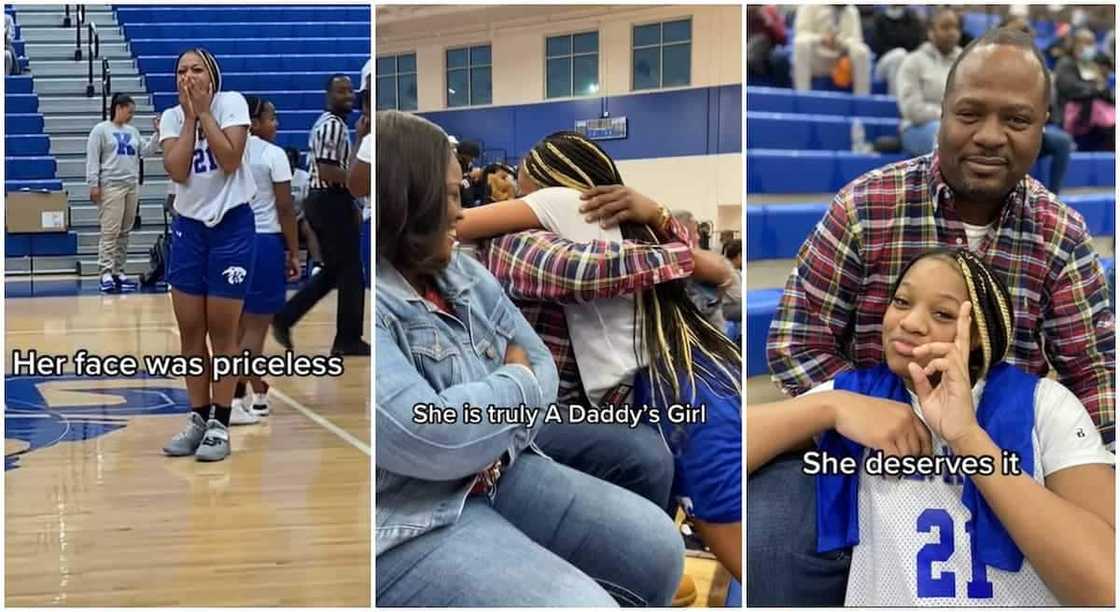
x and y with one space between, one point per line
93 45
105 86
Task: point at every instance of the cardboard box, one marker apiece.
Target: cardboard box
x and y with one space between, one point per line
30 212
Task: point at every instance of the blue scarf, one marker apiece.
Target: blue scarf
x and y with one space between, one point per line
1006 412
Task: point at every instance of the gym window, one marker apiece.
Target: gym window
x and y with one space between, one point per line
468 76
572 65
662 55
396 82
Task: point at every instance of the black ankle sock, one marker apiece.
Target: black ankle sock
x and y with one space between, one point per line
239 390
203 411
221 413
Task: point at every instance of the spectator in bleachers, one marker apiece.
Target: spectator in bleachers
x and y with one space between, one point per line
1085 97
113 153
544 533
766 31
974 191
1057 144
11 59
204 139
828 40
896 31
331 211
921 82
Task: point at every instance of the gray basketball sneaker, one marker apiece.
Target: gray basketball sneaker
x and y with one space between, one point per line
215 443
186 442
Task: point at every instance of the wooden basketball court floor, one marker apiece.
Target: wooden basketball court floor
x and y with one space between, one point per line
96 515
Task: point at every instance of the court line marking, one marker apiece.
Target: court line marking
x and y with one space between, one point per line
315 417
81 330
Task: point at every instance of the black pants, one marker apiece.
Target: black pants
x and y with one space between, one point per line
333 218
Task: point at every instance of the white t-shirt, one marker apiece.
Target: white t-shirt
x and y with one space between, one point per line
365 154
366 70
209 192
975 235
602 331
268 164
901 519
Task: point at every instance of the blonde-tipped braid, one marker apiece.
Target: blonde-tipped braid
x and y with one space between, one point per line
978 317
568 159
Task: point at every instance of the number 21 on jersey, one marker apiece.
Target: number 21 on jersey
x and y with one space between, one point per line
200 158
945 584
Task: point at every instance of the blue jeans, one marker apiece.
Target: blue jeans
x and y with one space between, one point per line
553 536
1057 144
634 459
783 567
919 139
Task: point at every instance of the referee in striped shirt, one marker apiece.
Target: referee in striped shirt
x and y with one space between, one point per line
333 215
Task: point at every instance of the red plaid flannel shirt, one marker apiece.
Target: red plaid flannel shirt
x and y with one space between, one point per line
542 271
831 312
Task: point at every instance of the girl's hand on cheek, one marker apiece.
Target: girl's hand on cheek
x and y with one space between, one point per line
947 407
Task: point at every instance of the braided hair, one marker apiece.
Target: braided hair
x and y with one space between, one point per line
209 62
993 315
669 328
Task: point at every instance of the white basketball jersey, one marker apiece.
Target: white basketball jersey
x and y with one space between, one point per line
919 551
914 534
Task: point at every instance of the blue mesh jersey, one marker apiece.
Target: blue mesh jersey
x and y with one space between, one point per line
707 456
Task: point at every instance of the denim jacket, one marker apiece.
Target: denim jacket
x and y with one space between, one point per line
424 472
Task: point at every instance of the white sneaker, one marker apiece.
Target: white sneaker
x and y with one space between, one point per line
240 415
261 406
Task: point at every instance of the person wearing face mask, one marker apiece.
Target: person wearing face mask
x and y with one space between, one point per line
1085 98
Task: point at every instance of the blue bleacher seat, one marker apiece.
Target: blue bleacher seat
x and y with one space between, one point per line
228 14
33 168
21 84
194 29
284 101
761 306
255 81
780 100
253 46
165 64
23 124
28 145
801 171
45 244
21 103
812 132
33 185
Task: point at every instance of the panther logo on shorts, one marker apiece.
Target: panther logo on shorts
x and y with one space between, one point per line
235 275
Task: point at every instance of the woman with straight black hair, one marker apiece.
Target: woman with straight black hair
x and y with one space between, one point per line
113 154
468 511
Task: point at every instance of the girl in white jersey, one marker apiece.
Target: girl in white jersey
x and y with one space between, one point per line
935 536
276 232
213 239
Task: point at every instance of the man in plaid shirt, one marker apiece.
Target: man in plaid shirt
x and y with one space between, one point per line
973 190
